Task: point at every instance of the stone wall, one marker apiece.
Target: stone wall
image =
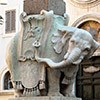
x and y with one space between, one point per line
77 10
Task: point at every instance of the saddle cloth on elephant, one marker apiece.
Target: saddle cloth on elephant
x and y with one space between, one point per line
45 33
35 29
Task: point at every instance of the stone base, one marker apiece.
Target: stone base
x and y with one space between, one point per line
45 98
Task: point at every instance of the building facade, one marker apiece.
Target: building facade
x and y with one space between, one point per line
10 13
83 14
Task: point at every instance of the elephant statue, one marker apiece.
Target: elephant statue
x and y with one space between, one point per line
81 45
43 57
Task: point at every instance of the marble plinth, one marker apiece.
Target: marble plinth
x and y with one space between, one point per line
46 98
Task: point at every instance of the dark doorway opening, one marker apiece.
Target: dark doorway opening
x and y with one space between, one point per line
88 84
7 81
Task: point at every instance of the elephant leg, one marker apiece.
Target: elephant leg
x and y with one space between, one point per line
53 81
68 90
18 93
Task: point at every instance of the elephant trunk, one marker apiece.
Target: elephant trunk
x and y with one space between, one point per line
71 57
74 56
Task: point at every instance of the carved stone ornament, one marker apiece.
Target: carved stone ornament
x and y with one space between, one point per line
84 3
91 69
43 50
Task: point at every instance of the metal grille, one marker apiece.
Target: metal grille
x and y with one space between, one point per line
88 84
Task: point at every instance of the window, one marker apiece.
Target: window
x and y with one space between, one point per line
10 21
7 81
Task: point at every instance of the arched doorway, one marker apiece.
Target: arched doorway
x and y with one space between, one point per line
88 83
7 81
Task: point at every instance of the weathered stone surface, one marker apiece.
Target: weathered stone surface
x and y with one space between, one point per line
43 49
58 6
35 6
46 98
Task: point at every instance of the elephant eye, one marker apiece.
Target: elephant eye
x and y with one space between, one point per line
86 49
72 41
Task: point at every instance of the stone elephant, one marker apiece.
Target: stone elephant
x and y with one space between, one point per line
45 49
81 45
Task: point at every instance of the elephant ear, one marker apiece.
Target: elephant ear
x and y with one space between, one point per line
94 47
59 39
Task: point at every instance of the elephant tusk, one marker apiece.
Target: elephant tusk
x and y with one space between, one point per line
50 62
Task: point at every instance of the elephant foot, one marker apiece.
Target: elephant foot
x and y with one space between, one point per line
18 93
54 94
69 95
43 92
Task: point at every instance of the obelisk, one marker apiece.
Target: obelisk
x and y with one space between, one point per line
35 6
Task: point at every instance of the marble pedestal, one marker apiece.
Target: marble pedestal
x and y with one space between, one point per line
45 98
